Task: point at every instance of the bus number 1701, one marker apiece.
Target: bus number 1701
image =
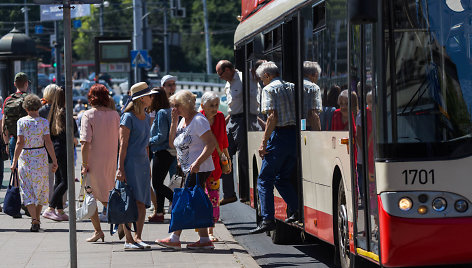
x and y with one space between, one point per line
422 176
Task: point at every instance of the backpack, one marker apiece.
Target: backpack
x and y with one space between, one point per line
13 111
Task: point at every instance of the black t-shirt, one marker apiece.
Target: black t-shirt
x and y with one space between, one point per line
59 141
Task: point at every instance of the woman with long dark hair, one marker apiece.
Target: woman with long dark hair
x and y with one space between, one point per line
57 125
163 157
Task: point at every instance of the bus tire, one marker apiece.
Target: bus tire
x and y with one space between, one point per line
285 234
342 228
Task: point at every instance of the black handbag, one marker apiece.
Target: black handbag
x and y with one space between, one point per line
121 207
12 202
3 150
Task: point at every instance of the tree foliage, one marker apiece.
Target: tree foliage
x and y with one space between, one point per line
187 54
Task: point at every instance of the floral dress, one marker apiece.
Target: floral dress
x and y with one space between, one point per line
33 161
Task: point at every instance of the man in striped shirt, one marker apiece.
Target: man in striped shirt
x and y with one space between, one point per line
278 148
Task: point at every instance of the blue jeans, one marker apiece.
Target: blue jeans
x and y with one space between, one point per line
278 166
11 148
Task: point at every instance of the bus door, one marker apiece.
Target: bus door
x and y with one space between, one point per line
362 85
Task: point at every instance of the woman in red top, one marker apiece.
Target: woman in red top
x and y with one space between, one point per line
210 104
340 116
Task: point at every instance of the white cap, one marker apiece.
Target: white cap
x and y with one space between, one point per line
168 77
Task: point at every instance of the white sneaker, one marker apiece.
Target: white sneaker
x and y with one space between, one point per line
144 245
133 246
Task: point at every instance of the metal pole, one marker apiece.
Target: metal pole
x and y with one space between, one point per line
25 10
207 37
58 52
70 133
101 19
137 32
166 41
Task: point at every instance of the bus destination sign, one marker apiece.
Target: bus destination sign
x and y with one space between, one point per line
51 2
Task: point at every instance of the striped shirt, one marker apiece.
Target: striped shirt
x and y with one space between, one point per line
311 97
280 96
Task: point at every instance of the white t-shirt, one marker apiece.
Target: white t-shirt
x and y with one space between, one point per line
234 94
189 145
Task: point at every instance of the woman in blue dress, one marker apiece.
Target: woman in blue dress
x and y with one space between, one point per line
133 163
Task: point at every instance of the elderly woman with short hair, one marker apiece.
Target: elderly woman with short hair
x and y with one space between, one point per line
210 104
341 116
194 142
32 146
99 133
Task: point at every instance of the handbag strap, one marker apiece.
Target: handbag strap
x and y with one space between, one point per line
14 178
83 180
197 178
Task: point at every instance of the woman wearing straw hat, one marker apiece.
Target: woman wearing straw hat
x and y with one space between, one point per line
133 163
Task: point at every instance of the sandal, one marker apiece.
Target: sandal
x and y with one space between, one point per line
35 226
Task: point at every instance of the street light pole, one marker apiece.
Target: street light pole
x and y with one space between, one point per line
166 41
137 32
101 19
25 11
70 132
207 38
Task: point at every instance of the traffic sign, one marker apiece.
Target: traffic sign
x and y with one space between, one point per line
77 24
38 29
139 58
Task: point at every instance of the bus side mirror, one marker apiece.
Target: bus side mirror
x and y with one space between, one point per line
362 11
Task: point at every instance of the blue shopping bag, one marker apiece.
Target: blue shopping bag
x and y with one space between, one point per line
191 208
122 206
12 201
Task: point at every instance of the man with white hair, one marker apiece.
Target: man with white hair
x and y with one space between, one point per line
311 95
278 148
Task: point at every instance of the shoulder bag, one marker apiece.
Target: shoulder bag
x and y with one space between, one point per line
191 208
86 205
12 201
122 206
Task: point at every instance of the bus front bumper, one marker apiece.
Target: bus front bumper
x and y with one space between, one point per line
419 242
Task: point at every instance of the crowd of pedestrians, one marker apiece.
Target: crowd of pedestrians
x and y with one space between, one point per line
158 132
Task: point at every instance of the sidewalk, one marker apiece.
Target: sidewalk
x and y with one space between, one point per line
50 247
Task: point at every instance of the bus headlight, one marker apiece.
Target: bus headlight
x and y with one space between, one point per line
461 205
439 204
405 203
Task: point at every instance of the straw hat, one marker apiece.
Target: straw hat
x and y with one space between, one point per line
139 90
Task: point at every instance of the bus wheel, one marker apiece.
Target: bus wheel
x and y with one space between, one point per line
343 229
285 234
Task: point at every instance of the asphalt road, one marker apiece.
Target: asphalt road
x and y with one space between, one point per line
240 218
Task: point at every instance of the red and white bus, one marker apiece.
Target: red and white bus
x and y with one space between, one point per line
394 187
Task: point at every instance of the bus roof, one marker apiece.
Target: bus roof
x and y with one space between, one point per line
263 17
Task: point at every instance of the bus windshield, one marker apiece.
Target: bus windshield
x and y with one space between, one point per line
425 110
